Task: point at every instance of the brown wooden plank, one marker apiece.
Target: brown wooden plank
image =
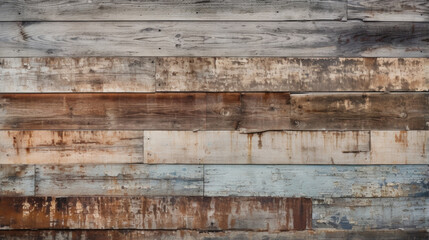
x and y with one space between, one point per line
17 180
199 213
223 111
67 147
325 234
220 74
357 111
95 74
387 10
180 111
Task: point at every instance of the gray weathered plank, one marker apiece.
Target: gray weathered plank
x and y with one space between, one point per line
67 147
321 234
299 39
82 10
17 180
119 180
371 213
404 147
219 74
316 181
291 147
152 213
387 10
95 74
357 111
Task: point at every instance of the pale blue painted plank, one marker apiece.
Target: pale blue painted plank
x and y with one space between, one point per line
16 180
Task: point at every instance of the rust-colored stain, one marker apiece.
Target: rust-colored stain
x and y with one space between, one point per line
199 213
402 138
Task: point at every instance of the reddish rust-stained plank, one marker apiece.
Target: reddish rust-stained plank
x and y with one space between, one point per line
198 213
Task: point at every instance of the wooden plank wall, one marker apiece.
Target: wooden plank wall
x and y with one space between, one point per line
221 119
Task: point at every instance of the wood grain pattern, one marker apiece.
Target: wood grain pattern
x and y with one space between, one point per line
220 74
316 181
199 213
371 213
385 10
291 147
356 111
22 10
119 180
17 180
283 39
329 234
70 147
95 74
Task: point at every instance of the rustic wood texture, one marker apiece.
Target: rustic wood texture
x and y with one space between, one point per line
291 147
220 74
371 213
187 111
199 213
68 147
119 180
393 147
357 111
316 181
387 10
292 39
22 10
17 180
95 74
398 234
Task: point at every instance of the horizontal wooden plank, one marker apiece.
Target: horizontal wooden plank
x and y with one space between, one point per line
166 38
81 10
371 213
394 234
67 147
17 180
119 180
220 74
187 111
199 213
316 181
357 111
291 147
386 10
393 147
93 74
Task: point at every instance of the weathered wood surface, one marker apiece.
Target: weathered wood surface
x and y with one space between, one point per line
404 147
180 111
285 39
371 213
95 74
356 111
119 180
316 181
68 147
17 180
387 10
385 234
199 213
291 147
24 10
219 74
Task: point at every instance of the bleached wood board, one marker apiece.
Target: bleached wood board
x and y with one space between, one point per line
94 74
226 147
371 213
17 180
166 38
316 181
220 74
71 147
119 180
189 10
387 10
196 213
